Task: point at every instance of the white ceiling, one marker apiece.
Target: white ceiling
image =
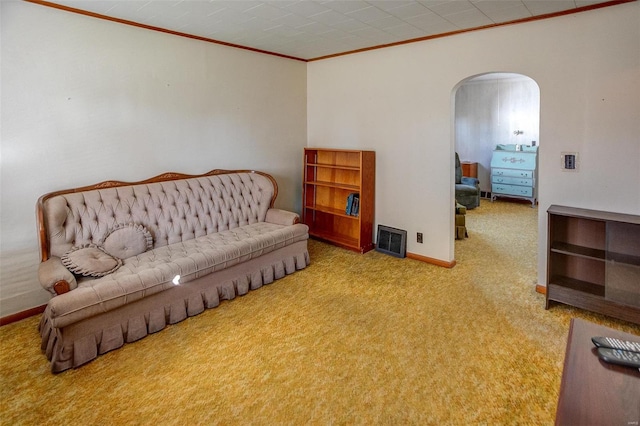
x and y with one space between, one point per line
308 29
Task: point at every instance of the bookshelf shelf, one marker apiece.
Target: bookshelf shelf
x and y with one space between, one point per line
332 211
333 166
330 176
574 250
352 188
594 261
339 240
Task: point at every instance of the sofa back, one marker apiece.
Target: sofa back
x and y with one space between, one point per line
172 207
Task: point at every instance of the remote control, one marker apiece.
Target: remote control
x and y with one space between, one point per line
612 343
618 356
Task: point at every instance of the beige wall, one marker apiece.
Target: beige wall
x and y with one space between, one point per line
86 100
400 102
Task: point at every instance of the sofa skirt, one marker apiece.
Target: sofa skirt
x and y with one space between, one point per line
76 344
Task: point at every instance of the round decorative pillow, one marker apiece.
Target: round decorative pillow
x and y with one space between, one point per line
127 240
90 261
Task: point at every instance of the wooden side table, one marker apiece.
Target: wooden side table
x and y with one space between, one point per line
469 169
592 391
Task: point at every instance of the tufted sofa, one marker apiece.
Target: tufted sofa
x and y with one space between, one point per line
123 260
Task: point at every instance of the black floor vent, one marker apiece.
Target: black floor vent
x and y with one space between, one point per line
392 241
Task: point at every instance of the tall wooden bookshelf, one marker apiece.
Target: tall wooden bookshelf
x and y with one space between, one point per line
330 175
593 261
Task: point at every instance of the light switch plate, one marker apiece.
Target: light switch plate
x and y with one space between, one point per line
569 162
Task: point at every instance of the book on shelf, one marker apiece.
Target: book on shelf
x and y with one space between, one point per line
353 204
355 210
349 204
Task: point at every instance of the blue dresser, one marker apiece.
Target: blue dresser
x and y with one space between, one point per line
514 173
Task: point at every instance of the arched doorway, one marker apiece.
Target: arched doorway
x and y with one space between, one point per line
494 109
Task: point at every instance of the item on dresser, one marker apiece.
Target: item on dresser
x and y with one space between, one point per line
123 260
514 173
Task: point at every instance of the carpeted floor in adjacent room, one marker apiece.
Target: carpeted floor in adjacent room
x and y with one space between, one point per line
353 339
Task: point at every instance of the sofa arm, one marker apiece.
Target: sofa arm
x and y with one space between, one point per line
281 217
55 277
470 181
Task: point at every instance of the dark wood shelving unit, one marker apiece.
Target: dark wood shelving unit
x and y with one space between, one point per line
593 261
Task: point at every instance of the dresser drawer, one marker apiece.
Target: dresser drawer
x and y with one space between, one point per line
512 180
512 173
521 191
514 160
